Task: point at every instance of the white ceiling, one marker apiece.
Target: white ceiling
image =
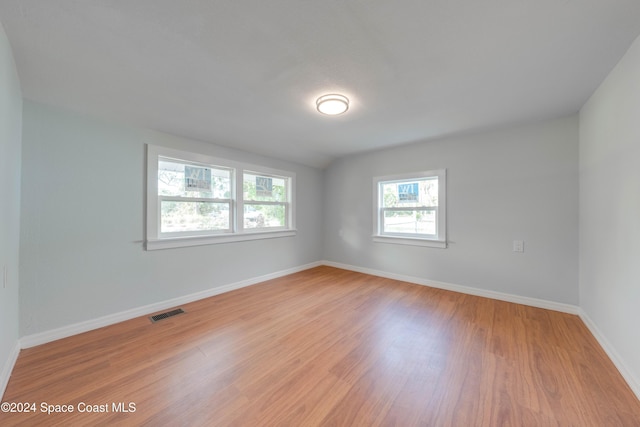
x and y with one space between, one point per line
246 73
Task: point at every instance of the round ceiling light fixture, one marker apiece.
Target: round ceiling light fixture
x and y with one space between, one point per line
332 104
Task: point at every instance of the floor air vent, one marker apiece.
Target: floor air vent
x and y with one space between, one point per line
166 315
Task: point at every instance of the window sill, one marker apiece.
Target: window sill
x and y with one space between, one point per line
441 244
181 242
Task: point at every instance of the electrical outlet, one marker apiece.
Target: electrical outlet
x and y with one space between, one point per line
518 246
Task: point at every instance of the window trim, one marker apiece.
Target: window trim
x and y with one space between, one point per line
439 240
242 202
155 239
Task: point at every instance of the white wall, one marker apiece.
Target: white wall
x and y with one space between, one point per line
10 152
515 184
610 210
81 253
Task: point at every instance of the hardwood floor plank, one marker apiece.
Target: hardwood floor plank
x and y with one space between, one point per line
330 347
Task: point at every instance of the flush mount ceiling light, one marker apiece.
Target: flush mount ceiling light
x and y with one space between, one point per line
332 104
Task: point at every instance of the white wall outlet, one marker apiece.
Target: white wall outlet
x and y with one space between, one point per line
518 246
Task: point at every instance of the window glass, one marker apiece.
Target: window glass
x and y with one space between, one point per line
410 209
186 180
178 216
195 199
421 193
264 188
410 222
264 216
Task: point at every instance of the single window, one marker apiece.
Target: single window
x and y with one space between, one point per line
193 199
266 201
410 208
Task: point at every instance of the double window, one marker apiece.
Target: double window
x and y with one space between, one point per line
193 199
410 208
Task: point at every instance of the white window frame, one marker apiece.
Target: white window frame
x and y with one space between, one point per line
155 239
229 202
270 173
439 240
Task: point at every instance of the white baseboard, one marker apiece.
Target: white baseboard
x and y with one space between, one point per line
88 325
624 370
534 302
8 368
626 373
67 331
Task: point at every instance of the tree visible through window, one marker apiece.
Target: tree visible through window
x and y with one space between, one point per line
411 206
193 199
265 200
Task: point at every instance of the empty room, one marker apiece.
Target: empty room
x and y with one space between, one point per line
296 213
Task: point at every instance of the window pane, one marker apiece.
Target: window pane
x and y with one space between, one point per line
188 180
410 222
264 216
414 193
193 216
264 188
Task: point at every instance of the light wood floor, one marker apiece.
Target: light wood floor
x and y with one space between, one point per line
331 347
